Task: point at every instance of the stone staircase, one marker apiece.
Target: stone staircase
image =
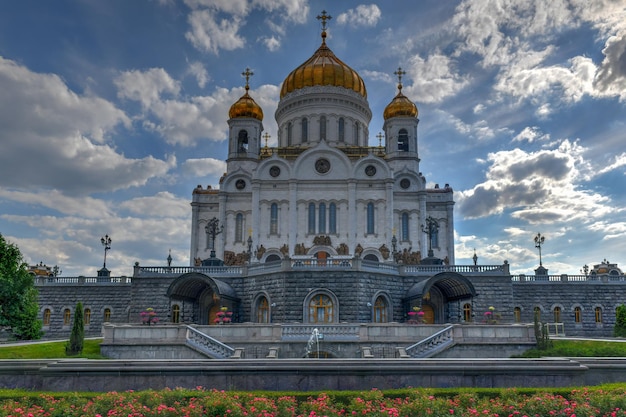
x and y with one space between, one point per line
207 345
430 346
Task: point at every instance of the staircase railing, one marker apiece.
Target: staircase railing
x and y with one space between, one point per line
432 344
208 345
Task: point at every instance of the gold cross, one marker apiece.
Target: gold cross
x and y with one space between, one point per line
266 136
324 17
400 73
247 73
380 139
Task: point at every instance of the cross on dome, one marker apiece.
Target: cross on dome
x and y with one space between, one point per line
324 17
399 73
247 73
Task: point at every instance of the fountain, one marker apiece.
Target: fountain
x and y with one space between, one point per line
314 339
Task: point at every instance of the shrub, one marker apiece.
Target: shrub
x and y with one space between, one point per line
77 337
620 321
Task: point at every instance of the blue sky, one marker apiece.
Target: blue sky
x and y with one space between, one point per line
111 112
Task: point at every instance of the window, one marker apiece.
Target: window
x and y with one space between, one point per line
578 316
598 311
341 129
403 140
242 141
289 134
46 317
557 314
311 218
67 314
356 133
332 218
87 317
323 127
305 129
467 313
537 312
175 313
274 219
238 228
517 314
405 227
434 239
321 309
263 310
370 218
322 218
380 310
107 315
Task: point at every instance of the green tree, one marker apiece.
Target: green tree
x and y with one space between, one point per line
620 321
18 295
77 339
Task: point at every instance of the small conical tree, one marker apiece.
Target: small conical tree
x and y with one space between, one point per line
620 321
77 338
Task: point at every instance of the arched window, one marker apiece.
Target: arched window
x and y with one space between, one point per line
370 218
289 134
87 316
305 129
380 310
238 228
274 219
322 218
311 218
405 226
262 310
467 313
517 314
557 314
356 133
67 314
598 311
46 317
323 127
332 218
107 315
341 128
537 312
434 238
242 141
321 309
578 315
403 140
175 313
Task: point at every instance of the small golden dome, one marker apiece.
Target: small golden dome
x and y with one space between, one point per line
323 68
246 107
400 106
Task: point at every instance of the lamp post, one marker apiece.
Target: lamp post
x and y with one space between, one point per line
585 270
106 242
213 228
431 228
538 242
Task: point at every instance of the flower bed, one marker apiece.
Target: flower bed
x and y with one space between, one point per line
602 401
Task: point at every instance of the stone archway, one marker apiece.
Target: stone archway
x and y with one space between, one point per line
202 296
440 295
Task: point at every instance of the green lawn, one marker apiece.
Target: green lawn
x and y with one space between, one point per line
52 350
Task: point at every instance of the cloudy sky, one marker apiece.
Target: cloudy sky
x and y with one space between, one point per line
111 112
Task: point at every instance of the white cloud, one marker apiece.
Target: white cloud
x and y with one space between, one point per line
75 206
202 167
611 76
530 134
362 15
52 137
210 35
163 204
433 79
272 43
197 70
146 86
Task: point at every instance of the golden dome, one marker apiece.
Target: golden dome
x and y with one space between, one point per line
323 68
400 106
246 107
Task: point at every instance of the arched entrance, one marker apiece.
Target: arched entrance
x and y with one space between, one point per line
438 297
202 297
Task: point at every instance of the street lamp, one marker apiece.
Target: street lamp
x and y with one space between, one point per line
213 228
106 242
538 242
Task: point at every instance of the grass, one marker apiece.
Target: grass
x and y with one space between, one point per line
51 350
579 348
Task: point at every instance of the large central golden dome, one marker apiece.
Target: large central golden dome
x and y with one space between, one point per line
323 68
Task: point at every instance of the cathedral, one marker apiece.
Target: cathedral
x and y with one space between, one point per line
323 194
324 229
